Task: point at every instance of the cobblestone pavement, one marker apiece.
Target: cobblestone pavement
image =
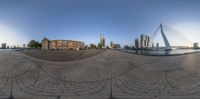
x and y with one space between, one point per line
110 74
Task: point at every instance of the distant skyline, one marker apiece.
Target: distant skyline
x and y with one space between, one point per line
121 21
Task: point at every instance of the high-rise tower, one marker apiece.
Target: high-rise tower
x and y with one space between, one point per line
102 41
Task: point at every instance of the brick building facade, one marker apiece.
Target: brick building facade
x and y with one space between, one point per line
61 44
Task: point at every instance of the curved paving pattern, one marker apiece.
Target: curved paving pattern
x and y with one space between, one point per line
112 73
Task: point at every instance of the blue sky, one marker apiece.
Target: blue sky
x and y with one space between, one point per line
120 20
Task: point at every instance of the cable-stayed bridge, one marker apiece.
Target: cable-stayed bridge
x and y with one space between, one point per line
168 38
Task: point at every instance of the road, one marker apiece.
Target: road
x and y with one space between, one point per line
112 73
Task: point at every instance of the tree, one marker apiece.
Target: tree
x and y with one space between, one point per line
86 47
93 46
100 46
34 44
38 45
31 44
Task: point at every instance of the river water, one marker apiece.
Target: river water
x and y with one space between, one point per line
163 52
9 50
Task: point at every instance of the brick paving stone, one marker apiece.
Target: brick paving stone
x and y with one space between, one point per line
109 74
